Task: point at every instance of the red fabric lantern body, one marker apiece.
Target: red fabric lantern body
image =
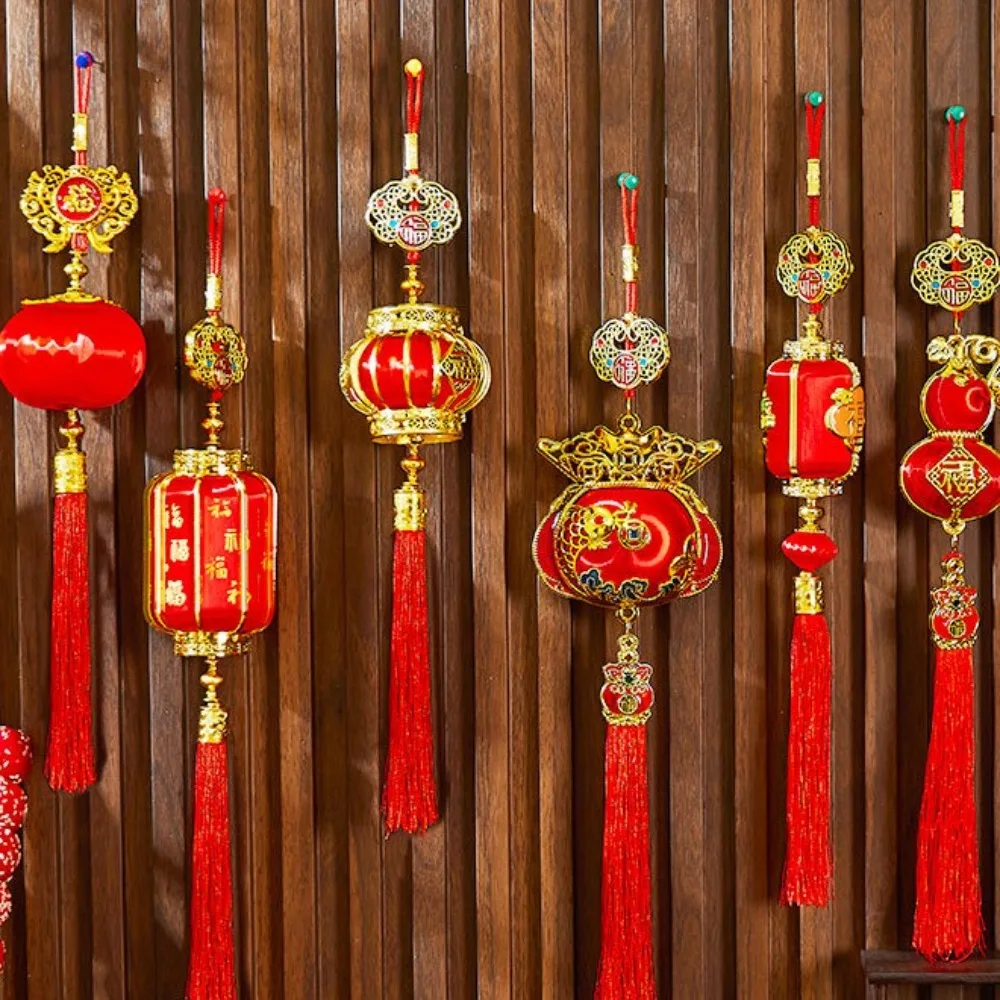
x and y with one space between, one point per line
15 763
816 418
64 354
212 527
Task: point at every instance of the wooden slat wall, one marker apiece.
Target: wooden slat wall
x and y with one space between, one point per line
533 107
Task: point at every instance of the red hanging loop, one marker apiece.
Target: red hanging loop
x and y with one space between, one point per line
84 61
629 186
955 116
216 229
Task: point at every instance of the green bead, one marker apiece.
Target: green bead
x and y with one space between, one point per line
631 182
815 98
623 178
955 113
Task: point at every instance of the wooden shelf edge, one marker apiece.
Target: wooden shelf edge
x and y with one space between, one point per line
908 967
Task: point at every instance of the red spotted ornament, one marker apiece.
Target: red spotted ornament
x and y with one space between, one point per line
211 532
953 476
73 351
15 763
415 375
812 416
629 532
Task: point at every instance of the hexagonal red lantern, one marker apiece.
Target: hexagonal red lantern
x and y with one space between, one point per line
211 533
415 375
629 533
73 351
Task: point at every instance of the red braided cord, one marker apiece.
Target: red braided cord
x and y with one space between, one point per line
216 229
630 219
814 132
956 155
414 99
83 63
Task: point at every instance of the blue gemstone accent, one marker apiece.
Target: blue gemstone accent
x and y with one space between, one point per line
935 284
435 224
394 224
975 283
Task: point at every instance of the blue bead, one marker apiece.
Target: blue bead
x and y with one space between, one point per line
83 60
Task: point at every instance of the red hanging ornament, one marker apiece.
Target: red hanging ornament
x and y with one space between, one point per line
953 475
211 529
73 351
15 763
627 533
813 416
415 375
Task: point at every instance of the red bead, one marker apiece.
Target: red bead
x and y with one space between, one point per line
211 545
13 804
15 754
65 355
809 550
10 853
956 402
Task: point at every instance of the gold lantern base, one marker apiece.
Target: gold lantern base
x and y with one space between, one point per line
210 645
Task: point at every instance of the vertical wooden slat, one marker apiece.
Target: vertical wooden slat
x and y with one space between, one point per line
748 535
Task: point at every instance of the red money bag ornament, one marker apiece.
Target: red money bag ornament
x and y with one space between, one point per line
211 528
15 763
73 351
628 532
813 416
953 475
415 376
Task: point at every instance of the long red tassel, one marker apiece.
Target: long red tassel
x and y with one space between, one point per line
409 798
70 763
808 873
212 962
626 963
948 924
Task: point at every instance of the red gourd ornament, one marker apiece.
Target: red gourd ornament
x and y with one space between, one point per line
414 375
211 529
73 351
953 476
628 533
812 415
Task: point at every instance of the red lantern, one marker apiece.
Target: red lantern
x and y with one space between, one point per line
211 530
15 763
628 533
73 351
414 375
953 475
813 418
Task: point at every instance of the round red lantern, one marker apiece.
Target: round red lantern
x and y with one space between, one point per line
73 351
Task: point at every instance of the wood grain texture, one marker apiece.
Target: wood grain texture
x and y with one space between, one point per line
532 108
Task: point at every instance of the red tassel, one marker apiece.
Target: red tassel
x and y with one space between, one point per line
212 964
626 963
948 925
808 875
409 800
70 763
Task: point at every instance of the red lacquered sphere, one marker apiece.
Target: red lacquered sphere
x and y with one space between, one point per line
945 477
629 544
211 552
15 754
809 550
956 401
814 419
10 853
62 355
13 804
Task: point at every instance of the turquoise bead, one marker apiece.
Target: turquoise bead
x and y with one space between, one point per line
815 98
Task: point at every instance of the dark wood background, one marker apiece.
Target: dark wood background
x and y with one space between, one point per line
533 107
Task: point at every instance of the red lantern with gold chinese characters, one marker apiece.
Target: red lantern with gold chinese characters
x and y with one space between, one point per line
628 533
414 375
211 529
812 415
73 351
953 475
